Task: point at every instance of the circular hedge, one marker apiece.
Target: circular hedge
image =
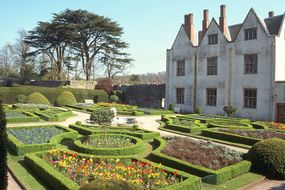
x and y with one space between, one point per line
130 150
37 98
66 98
268 156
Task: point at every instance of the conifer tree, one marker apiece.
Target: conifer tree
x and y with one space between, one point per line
3 150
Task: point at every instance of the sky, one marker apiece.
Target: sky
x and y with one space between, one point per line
150 26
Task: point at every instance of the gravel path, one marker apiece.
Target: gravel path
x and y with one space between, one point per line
12 184
266 185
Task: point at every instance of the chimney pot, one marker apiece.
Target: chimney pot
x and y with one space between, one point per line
205 22
271 14
223 19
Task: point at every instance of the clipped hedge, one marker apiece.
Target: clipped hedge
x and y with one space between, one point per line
182 128
210 176
9 94
30 117
20 148
131 150
65 98
85 130
54 117
37 98
56 180
230 137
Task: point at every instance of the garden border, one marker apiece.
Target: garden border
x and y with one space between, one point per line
55 117
30 117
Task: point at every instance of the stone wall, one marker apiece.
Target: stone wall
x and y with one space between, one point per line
82 84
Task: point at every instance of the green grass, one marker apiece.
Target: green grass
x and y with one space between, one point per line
235 183
23 174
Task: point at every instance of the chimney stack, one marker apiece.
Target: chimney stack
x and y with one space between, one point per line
223 19
205 22
271 14
189 26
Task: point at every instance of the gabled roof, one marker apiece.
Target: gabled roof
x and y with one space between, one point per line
274 24
181 32
234 29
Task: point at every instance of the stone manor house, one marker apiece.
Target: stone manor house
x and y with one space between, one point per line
242 65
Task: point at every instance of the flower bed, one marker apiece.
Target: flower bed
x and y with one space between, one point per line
54 114
202 153
68 170
82 145
260 134
209 175
95 129
23 140
273 125
109 142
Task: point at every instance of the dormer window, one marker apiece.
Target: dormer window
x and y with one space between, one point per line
250 34
212 39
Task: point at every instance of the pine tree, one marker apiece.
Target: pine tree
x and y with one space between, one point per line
3 150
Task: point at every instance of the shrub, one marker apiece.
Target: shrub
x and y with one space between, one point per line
104 84
268 156
198 110
108 184
230 110
171 107
65 98
3 150
113 98
21 98
37 98
9 94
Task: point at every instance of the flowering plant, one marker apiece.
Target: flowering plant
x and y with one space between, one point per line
82 169
276 125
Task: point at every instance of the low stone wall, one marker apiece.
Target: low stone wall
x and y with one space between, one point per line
82 84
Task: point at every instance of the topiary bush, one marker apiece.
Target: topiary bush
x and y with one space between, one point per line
21 98
37 98
3 150
171 107
268 157
108 184
66 98
113 98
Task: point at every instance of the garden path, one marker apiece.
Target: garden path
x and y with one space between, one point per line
266 184
12 184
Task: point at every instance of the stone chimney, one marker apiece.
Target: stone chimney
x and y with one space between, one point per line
205 22
223 19
271 14
189 27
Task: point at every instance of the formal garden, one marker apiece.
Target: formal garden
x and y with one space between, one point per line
96 154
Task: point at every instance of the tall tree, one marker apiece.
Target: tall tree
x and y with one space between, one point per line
91 35
115 66
3 150
52 39
8 65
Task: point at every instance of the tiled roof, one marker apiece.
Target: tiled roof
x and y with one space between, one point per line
273 24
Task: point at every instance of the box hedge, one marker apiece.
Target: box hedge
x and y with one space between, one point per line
54 117
209 176
130 150
230 137
9 94
65 98
85 130
56 180
20 148
30 117
37 98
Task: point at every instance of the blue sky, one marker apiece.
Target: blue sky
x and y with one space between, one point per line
150 26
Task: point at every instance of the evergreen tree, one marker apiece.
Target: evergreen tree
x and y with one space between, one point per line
3 150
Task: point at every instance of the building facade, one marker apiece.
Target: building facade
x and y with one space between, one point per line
241 65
